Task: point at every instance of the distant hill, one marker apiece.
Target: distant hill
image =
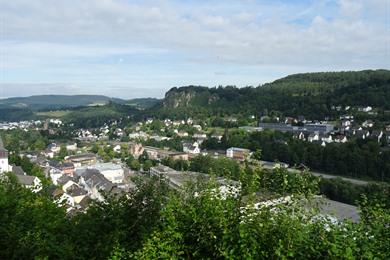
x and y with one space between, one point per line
143 103
53 102
86 117
16 114
308 94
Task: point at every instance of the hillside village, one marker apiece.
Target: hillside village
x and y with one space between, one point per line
194 129
100 161
96 163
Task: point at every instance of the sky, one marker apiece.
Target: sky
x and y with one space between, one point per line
129 49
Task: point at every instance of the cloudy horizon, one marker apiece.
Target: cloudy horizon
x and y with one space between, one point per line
131 49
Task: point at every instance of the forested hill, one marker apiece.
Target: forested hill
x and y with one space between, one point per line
143 103
309 94
56 101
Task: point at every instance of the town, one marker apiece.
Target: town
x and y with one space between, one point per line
97 161
194 129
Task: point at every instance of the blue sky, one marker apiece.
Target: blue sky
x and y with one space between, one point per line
134 49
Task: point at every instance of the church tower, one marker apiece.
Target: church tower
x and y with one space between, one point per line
4 167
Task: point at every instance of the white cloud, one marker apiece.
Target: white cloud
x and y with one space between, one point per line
72 37
350 8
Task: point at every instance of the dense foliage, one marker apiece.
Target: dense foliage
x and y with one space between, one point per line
19 140
202 221
347 192
309 94
143 103
16 114
358 159
90 117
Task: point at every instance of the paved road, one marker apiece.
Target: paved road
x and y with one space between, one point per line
327 176
270 165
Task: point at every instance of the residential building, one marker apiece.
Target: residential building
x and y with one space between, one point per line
376 135
191 147
30 182
344 117
48 153
94 183
68 183
54 148
136 149
326 138
365 109
250 129
82 159
161 170
312 128
117 148
200 136
55 174
67 168
340 139
77 193
362 134
346 122
368 124
313 137
237 153
139 135
299 135
216 136
159 138
111 171
71 147
159 154
198 127
178 155
182 134
152 152
60 198
17 170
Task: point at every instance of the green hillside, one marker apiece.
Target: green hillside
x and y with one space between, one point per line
309 94
96 116
143 103
46 102
16 114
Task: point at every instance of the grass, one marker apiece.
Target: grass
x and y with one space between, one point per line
218 130
56 113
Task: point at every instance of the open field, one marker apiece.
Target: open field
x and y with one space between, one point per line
56 113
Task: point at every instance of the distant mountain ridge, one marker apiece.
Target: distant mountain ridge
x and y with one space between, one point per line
40 102
313 95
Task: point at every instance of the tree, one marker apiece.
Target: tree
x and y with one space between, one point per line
135 165
257 154
39 144
147 165
143 157
95 148
35 219
63 152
